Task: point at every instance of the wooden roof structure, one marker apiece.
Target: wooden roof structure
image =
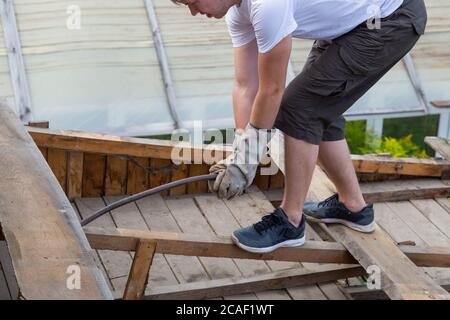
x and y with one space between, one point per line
177 244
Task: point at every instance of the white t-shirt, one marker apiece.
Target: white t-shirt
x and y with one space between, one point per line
270 21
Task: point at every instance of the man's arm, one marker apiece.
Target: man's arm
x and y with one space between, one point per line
246 82
272 69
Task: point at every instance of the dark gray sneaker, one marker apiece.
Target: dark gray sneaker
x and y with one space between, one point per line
272 232
331 210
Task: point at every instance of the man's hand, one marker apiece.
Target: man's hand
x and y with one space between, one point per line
237 171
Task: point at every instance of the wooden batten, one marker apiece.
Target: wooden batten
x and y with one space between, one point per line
43 236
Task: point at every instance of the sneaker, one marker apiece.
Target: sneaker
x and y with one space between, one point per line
331 210
272 232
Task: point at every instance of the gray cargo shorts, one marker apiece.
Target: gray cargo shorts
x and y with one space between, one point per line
340 71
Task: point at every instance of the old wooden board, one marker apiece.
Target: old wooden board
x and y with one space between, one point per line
401 279
223 223
440 145
191 220
40 226
157 217
129 216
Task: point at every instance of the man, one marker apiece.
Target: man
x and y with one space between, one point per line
357 42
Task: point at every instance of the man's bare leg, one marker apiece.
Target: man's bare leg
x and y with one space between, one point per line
300 161
335 158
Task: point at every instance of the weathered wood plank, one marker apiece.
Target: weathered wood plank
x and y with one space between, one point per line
137 176
39 224
158 218
117 264
75 175
114 145
129 216
197 170
401 279
137 279
57 160
93 175
180 172
161 173
223 223
275 280
116 176
190 220
440 145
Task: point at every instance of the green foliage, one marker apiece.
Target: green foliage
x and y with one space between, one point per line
362 141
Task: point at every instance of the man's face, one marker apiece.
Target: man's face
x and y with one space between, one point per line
211 8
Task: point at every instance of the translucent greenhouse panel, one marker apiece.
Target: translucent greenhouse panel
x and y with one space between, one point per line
6 90
96 73
200 56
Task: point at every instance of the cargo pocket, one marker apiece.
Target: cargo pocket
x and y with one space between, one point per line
361 51
324 84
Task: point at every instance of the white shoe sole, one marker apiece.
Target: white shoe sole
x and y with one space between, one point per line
365 229
287 243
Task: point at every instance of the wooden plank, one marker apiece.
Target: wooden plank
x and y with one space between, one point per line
137 175
402 166
116 176
396 190
223 223
19 79
39 224
75 175
57 160
275 280
191 220
117 264
277 180
262 181
217 246
39 124
161 149
437 215
158 218
180 172
198 187
161 173
320 291
129 216
113 145
137 280
441 104
440 145
93 175
401 279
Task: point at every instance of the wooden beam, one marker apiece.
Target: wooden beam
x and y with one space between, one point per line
441 104
215 246
402 166
138 277
107 144
440 145
395 190
212 246
241 285
400 278
41 229
17 70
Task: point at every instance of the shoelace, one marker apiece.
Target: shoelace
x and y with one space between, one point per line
267 222
328 202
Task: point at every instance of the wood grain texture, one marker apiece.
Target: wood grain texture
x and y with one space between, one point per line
116 176
39 224
94 167
75 175
138 277
57 160
137 180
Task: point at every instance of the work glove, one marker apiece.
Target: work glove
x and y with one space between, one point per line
237 171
